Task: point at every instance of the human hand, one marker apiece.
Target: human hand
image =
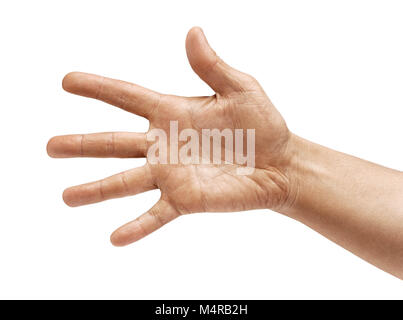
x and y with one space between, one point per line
239 103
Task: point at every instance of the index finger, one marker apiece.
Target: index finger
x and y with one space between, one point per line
125 95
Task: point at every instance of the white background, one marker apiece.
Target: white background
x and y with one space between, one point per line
334 69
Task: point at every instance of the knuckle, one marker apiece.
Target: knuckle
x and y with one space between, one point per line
99 92
110 144
82 141
157 216
123 180
101 190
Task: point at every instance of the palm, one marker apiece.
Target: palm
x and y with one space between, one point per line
239 103
200 188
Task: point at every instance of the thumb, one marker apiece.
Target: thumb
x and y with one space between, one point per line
222 78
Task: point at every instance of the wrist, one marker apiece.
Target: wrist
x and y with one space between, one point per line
303 169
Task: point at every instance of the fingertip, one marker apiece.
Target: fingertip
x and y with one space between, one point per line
69 81
127 234
116 240
83 84
69 198
196 44
195 31
51 147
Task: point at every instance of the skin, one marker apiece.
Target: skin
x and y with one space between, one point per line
355 203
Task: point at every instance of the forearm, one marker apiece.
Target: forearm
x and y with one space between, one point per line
355 203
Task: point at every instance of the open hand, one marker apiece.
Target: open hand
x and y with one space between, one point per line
238 103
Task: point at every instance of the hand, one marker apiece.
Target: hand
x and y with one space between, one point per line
239 103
